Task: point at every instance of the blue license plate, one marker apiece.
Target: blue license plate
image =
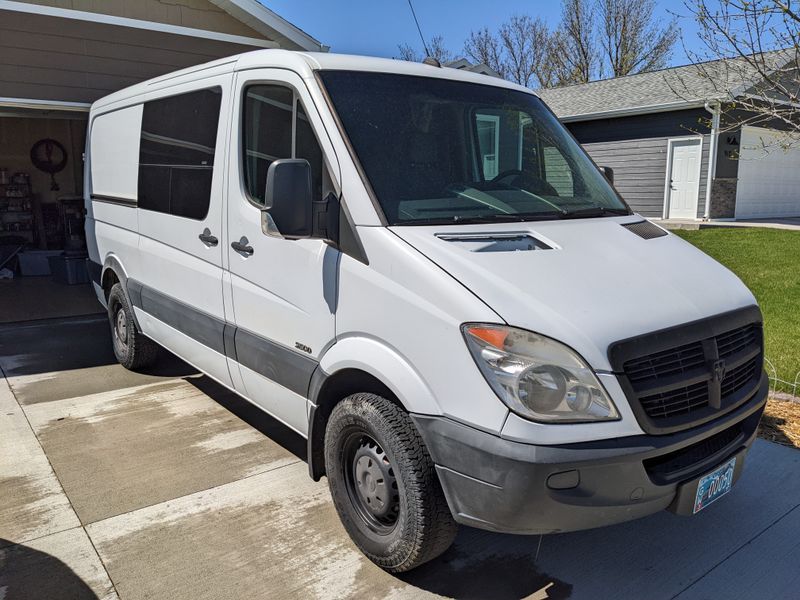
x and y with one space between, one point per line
714 485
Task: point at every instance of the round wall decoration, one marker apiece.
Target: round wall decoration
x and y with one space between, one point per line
50 156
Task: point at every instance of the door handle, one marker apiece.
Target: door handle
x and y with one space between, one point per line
242 247
207 238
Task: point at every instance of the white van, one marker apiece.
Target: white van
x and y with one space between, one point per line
420 271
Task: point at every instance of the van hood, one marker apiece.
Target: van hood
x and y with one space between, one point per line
585 282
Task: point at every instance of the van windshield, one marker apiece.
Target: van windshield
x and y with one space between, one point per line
440 151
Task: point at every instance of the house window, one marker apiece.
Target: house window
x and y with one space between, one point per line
275 126
176 153
488 127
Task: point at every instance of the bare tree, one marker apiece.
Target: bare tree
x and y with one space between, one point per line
573 50
484 47
437 49
631 40
518 52
760 40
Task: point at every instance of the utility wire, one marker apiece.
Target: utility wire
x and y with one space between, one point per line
421 37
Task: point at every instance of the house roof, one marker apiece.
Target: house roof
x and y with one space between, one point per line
676 88
266 22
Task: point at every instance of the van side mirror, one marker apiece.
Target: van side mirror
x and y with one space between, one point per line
609 174
288 198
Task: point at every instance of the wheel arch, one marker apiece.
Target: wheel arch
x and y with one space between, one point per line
113 272
341 374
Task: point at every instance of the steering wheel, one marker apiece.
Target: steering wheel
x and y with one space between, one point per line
528 182
500 176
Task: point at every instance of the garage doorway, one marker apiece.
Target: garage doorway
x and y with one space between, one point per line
684 156
769 175
42 248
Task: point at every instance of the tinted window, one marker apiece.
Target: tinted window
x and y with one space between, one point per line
176 153
441 151
267 134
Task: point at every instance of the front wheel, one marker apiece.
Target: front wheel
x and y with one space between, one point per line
384 484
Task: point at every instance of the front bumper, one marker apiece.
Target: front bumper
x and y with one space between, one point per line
511 487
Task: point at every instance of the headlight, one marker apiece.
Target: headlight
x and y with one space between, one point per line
537 377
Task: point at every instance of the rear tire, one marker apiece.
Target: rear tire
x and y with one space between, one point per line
384 484
132 349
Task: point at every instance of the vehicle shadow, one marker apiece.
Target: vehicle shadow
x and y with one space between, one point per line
252 415
28 574
483 565
771 428
66 344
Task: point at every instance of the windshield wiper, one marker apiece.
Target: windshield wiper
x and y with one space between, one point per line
594 211
478 219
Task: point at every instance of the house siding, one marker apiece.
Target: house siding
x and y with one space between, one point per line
199 14
48 58
636 148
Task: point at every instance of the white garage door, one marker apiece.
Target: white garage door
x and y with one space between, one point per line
769 175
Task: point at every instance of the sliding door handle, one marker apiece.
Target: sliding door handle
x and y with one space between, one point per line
207 238
243 247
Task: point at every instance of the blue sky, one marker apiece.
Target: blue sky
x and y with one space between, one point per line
376 27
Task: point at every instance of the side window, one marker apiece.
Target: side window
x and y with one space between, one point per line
275 126
176 153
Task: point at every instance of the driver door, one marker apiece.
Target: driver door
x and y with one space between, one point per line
283 291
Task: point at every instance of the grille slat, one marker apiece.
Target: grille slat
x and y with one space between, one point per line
674 373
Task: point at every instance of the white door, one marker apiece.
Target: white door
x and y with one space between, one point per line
283 290
177 284
683 186
769 175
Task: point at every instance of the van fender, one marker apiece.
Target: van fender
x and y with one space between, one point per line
113 264
385 364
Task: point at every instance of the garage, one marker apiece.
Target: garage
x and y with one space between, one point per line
769 175
56 58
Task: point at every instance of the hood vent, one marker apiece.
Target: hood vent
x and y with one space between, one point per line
496 242
645 229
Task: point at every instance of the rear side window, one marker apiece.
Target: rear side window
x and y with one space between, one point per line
176 153
275 126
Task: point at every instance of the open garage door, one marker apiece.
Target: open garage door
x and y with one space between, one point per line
769 176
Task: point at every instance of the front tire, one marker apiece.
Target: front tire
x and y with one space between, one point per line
384 484
132 349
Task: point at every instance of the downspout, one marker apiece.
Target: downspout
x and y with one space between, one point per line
715 110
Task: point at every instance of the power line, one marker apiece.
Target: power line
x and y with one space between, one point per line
421 37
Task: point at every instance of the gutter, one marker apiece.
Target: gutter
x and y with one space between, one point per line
629 112
715 109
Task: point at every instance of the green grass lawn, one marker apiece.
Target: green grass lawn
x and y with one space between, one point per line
768 261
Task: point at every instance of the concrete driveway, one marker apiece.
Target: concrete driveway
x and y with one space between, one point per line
165 485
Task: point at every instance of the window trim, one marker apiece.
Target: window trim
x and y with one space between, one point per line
139 164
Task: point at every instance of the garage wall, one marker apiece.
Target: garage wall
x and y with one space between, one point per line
49 58
17 137
636 148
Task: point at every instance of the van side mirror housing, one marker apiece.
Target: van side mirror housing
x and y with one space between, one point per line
288 198
608 172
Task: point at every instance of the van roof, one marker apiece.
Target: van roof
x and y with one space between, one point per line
304 64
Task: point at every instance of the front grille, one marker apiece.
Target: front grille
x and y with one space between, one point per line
711 367
666 364
679 464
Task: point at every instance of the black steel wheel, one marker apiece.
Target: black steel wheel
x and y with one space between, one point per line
384 484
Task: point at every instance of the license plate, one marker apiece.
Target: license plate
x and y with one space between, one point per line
714 485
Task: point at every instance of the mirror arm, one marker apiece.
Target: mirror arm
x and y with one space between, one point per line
326 219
